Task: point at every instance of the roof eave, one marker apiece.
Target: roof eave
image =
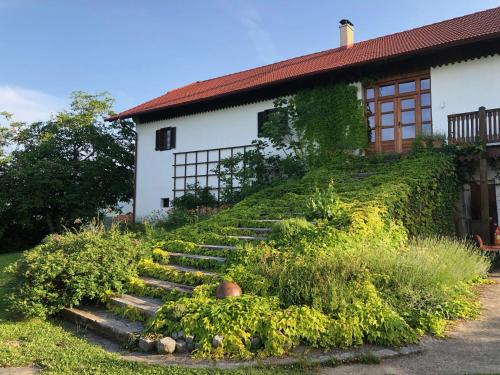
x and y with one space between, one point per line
305 75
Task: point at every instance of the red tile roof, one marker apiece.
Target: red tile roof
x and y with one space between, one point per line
469 28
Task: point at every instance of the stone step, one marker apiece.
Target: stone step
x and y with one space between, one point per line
258 230
200 257
218 247
248 238
104 323
189 269
267 220
167 285
147 306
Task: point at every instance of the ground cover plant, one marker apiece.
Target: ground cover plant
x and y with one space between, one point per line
356 259
47 344
365 261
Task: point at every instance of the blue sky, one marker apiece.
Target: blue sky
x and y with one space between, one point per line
137 50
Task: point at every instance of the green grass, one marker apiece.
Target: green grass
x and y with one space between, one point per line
59 351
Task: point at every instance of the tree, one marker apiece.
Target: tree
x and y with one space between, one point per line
67 168
5 133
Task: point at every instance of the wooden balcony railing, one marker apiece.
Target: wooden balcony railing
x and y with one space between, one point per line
470 127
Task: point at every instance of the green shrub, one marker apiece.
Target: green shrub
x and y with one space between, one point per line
73 267
429 282
195 197
326 204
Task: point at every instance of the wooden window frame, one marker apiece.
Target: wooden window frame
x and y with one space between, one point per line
400 144
165 139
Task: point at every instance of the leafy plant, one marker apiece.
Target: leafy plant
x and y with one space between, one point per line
194 198
73 267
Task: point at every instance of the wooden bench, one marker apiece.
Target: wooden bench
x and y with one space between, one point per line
482 246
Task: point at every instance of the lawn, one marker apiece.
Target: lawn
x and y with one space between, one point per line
58 351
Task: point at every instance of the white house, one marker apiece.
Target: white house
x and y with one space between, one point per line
412 81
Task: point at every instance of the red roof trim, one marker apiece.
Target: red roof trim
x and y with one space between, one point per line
466 29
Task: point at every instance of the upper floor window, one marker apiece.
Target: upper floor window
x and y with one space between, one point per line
165 139
263 117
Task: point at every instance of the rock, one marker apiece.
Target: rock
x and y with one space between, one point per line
180 335
190 346
410 349
175 336
217 341
189 339
166 345
384 353
227 289
255 343
146 344
180 346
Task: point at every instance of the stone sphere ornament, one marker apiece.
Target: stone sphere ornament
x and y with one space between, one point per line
227 289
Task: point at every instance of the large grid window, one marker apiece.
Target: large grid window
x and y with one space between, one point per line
397 111
195 169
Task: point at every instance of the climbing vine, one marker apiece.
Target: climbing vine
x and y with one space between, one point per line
307 129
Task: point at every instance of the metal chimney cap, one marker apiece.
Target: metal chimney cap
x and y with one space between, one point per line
346 22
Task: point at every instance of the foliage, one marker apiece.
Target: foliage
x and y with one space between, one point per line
137 286
352 268
67 168
5 134
73 267
425 142
243 320
318 122
326 204
194 198
246 172
307 129
354 262
162 272
163 257
57 351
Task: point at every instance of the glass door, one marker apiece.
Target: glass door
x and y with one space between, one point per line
397 111
388 131
407 121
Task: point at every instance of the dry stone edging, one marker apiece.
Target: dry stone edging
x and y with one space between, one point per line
301 355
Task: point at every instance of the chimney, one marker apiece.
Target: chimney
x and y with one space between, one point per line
346 33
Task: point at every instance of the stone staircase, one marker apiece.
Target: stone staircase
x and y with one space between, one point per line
109 321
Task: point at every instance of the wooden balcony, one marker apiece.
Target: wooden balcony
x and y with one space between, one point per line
482 125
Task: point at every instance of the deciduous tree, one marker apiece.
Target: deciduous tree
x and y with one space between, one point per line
69 167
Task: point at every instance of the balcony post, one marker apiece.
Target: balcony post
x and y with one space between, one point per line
483 178
482 125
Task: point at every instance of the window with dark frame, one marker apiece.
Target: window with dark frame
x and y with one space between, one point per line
165 139
262 118
165 202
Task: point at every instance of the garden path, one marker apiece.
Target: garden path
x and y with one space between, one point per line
471 347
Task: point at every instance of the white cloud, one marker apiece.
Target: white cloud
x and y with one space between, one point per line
29 105
262 41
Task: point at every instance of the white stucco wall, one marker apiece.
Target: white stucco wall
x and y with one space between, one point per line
464 87
230 127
